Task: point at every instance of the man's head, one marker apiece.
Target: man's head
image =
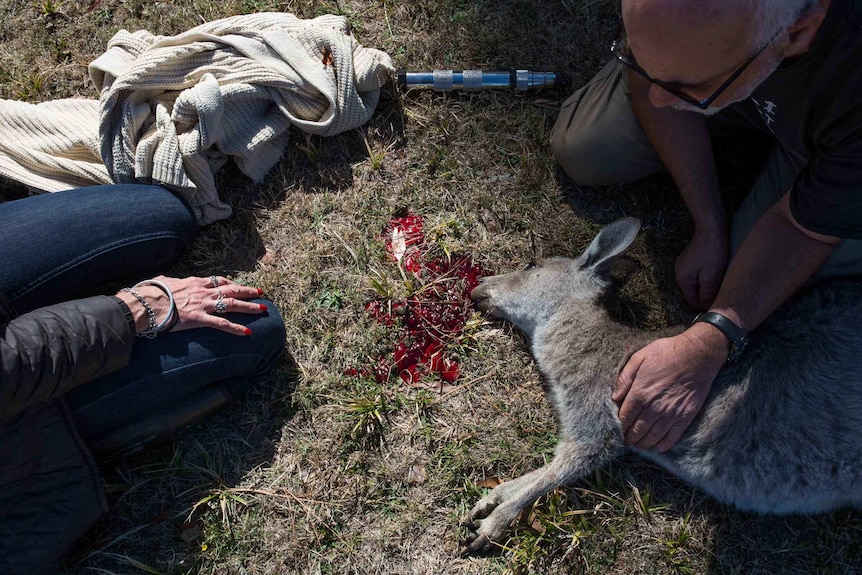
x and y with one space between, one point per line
695 46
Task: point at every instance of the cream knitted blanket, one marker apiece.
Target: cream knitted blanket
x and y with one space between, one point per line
173 109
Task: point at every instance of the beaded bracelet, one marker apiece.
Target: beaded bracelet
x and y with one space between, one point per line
173 315
150 332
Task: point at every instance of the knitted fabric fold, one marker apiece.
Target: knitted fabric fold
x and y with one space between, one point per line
173 109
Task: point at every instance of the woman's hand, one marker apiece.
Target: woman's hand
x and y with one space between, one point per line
196 302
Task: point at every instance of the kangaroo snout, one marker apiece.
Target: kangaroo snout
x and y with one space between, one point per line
481 295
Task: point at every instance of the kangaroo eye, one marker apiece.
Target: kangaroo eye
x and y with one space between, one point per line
530 266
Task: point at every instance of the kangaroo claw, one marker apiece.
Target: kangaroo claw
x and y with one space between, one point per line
479 546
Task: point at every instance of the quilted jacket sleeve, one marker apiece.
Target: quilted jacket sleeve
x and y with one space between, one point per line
49 351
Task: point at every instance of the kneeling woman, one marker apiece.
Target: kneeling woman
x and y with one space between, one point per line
89 370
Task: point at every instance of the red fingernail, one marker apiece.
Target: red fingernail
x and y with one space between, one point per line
247 331
263 307
259 291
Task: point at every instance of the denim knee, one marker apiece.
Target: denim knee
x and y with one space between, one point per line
167 212
269 334
267 340
176 216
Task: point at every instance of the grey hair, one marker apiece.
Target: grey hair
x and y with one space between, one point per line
773 16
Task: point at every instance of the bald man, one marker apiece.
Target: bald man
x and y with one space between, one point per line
791 68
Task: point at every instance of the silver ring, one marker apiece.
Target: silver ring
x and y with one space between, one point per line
220 305
214 279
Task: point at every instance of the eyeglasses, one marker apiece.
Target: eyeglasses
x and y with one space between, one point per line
620 49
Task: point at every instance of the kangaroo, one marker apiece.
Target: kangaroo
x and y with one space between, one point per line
779 432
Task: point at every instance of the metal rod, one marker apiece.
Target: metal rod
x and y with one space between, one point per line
475 80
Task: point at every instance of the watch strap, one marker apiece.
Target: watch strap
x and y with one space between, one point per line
738 337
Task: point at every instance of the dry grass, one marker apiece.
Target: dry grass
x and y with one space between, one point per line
317 471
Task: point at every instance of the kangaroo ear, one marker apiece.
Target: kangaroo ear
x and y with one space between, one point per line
611 241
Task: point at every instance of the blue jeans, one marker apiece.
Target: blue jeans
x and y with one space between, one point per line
62 246
174 380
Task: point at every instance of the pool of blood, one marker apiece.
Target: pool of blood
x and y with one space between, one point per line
430 320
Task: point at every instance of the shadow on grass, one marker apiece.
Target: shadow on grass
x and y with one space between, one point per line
12 190
750 543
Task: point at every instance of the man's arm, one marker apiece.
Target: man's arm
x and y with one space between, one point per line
682 141
664 385
792 255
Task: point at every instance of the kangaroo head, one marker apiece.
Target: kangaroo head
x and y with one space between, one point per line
530 298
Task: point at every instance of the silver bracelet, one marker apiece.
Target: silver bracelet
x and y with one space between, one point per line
150 332
165 324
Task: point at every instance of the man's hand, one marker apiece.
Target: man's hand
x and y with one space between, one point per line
700 267
663 386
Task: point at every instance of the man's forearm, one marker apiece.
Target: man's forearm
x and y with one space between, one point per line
682 141
775 259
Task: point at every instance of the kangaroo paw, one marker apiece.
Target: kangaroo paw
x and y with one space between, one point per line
484 507
481 545
490 532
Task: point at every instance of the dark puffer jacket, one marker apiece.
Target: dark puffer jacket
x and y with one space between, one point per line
50 490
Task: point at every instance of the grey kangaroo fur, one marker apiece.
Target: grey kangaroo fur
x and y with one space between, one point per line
780 430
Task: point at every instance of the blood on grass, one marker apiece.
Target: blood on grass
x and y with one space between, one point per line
431 319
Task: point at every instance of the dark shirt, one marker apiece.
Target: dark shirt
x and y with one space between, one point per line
813 108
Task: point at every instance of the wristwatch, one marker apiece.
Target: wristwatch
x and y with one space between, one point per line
738 337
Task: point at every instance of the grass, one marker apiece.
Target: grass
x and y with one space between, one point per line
319 472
